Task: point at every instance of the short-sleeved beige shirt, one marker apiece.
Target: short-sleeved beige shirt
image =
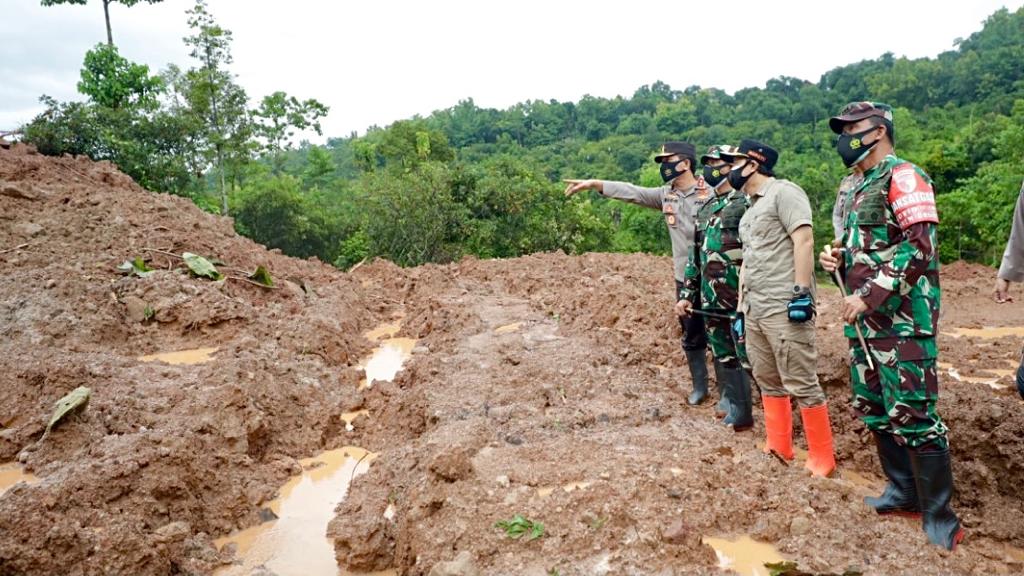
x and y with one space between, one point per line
777 209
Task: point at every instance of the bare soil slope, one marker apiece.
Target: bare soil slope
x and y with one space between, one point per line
571 414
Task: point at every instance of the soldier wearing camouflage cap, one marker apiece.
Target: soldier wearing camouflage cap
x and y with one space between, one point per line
712 280
678 200
890 266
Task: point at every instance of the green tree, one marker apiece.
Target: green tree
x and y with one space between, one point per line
214 96
111 81
279 116
106 10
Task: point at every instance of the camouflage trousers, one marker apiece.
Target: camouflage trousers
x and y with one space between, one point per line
898 397
724 347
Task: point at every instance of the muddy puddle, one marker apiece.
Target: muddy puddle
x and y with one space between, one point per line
182 358
744 555
988 332
11 473
508 328
546 491
993 381
389 357
349 418
295 544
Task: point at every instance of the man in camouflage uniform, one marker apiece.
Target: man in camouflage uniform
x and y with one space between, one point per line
890 263
678 200
712 280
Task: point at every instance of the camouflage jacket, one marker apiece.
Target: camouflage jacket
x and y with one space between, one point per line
713 269
891 253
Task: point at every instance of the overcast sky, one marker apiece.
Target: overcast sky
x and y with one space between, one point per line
374 62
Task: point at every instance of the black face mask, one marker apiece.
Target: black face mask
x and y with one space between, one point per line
669 172
852 148
736 178
713 176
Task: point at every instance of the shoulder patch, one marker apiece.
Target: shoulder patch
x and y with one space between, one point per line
911 197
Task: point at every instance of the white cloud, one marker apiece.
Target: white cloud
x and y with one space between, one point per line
377 62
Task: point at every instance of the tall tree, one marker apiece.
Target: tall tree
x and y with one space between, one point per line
212 90
106 10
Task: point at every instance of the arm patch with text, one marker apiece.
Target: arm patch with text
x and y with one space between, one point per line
911 197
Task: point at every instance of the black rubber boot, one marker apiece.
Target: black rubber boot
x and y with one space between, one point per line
722 408
738 391
697 360
933 475
900 494
1020 377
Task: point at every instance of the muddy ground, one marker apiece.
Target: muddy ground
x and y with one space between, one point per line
588 388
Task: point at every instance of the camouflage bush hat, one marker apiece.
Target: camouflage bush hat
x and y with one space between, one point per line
855 111
717 152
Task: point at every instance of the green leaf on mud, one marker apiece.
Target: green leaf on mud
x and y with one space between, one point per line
261 276
201 266
518 526
72 403
137 267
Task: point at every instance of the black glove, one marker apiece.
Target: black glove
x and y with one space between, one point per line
801 308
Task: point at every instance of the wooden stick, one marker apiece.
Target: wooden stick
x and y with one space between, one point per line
860 335
16 248
253 283
164 252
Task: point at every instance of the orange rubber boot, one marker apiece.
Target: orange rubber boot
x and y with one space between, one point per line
778 426
821 457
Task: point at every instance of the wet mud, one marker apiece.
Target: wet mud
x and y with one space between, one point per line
550 387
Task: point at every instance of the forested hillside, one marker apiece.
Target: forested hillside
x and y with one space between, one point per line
471 180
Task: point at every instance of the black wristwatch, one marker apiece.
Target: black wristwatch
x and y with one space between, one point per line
799 290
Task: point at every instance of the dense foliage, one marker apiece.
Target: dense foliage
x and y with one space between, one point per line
471 180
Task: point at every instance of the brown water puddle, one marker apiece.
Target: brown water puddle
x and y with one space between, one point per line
387 360
744 555
386 330
350 417
296 543
548 490
389 357
508 328
990 381
989 332
11 473
184 357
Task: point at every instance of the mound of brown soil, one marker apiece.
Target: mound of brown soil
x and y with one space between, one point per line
548 386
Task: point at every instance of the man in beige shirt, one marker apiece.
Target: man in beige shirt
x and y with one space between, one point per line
1012 270
678 200
777 305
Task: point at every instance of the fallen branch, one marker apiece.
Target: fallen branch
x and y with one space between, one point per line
356 267
164 252
15 249
253 283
